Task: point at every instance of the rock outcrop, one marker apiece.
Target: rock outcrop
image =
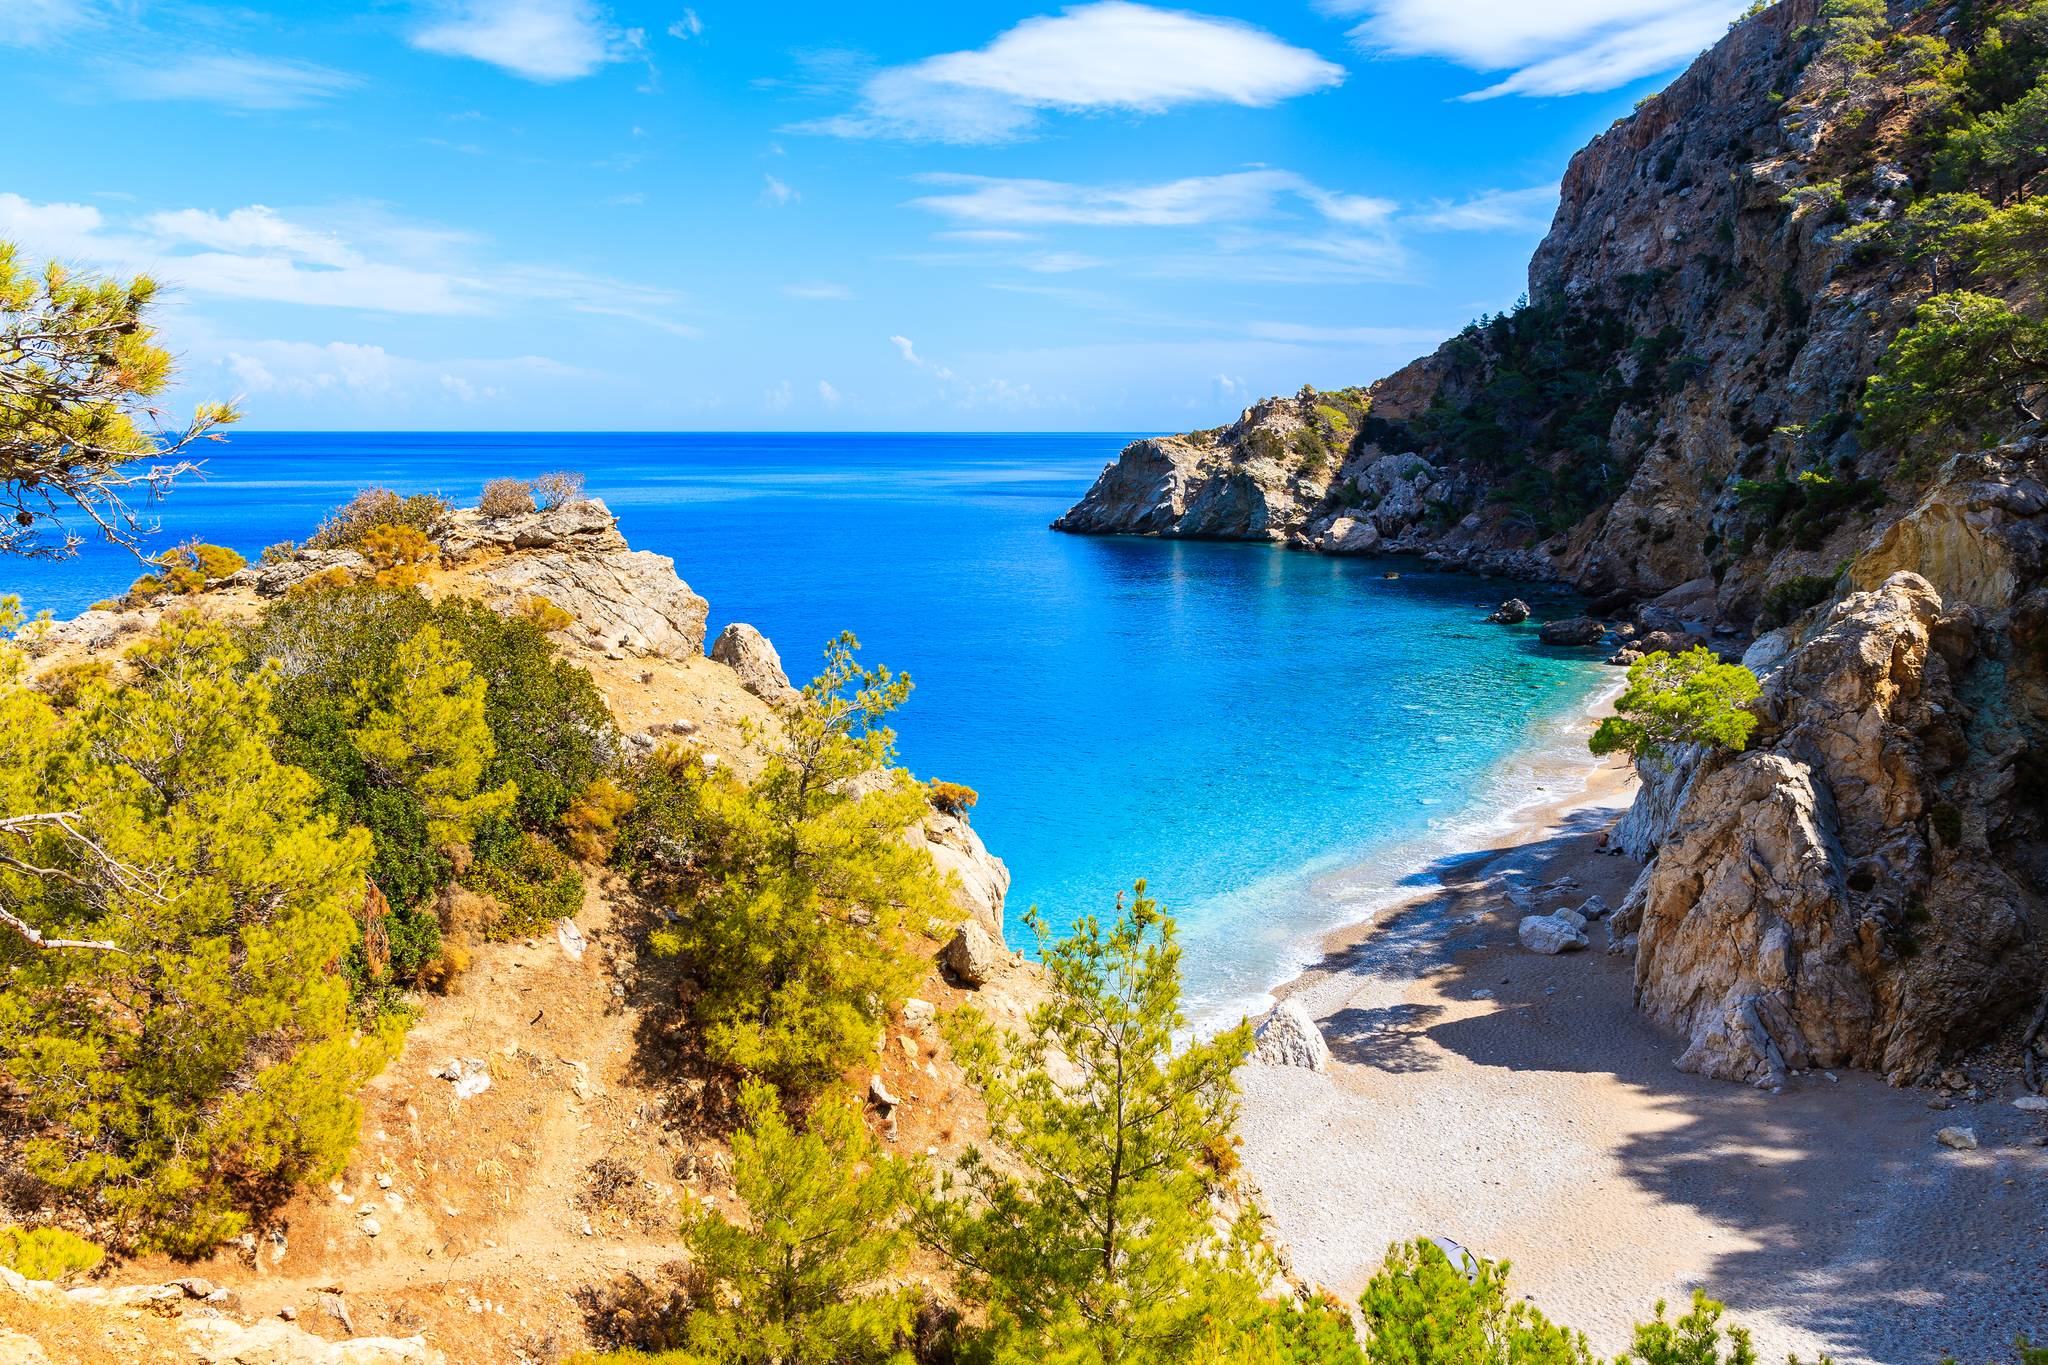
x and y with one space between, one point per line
1868 884
747 652
622 601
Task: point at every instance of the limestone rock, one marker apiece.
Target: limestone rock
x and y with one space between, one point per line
18 1349
1962 1139
977 879
1573 630
747 652
972 955
622 601
1550 934
1512 612
1349 536
278 578
1288 1036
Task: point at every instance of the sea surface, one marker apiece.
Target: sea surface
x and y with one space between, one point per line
1278 742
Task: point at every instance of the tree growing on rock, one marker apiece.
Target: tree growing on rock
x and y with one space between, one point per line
173 1023
1097 1245
1673 699
791 913
80 435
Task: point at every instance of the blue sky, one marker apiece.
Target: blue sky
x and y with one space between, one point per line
567 214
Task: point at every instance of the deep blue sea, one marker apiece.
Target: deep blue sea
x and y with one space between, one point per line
1276 741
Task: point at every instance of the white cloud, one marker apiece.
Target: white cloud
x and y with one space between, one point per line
774 192
821 292
1061 262
1560 47
359 260
1111 56
1234 197
31 23
344 368
908 351
779 398
237 80
828 395
542 40
1492 210
687 27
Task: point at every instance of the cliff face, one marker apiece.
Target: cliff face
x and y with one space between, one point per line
1673 415
1692 322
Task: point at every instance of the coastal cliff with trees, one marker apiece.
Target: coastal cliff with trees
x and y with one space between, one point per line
1777 379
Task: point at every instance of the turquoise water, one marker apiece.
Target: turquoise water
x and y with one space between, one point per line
1235 723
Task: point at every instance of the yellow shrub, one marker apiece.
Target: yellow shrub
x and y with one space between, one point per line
336 577
544 613
401 555
65 684
47 1253
591 824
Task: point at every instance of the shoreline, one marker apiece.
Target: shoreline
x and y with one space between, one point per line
1521 1106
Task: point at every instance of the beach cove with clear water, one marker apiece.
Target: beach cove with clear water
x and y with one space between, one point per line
1281 743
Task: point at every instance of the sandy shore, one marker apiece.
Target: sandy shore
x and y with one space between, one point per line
1519 1105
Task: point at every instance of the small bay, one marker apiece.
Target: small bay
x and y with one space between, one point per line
1235 723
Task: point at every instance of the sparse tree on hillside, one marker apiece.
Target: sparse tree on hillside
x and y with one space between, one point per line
1097 1245
80 437
803 1280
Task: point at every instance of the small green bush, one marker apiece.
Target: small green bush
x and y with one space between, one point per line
533 882
47 1253
1788 598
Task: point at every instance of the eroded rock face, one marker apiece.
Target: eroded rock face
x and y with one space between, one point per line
973 956
1864 887
623 601
979 879
747 652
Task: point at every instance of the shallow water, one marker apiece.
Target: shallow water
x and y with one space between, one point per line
1274 740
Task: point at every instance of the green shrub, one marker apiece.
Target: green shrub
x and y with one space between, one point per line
47 1253
1789 598
1689 698
533 882
186 569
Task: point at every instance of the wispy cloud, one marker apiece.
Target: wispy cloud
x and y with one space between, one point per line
908 350
775 193
31 23
1491 211
306 369
828 395
541 40
358 259
1111 56
687 27
1562 47
1234 197
821 292
236 80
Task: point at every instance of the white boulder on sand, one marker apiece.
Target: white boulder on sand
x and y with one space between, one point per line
1287 1036
1549 934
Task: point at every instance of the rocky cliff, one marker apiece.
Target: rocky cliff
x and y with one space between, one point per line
1670 422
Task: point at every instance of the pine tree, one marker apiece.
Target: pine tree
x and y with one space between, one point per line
425 731
791 916
798 1281
1093 1243
1420 1309
186 1050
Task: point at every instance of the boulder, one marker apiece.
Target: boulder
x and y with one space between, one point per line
1512 612
1287 1036
973 957
977 880
1349 536
1962 1139
747 652
1550 934
1573 630
219 1341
